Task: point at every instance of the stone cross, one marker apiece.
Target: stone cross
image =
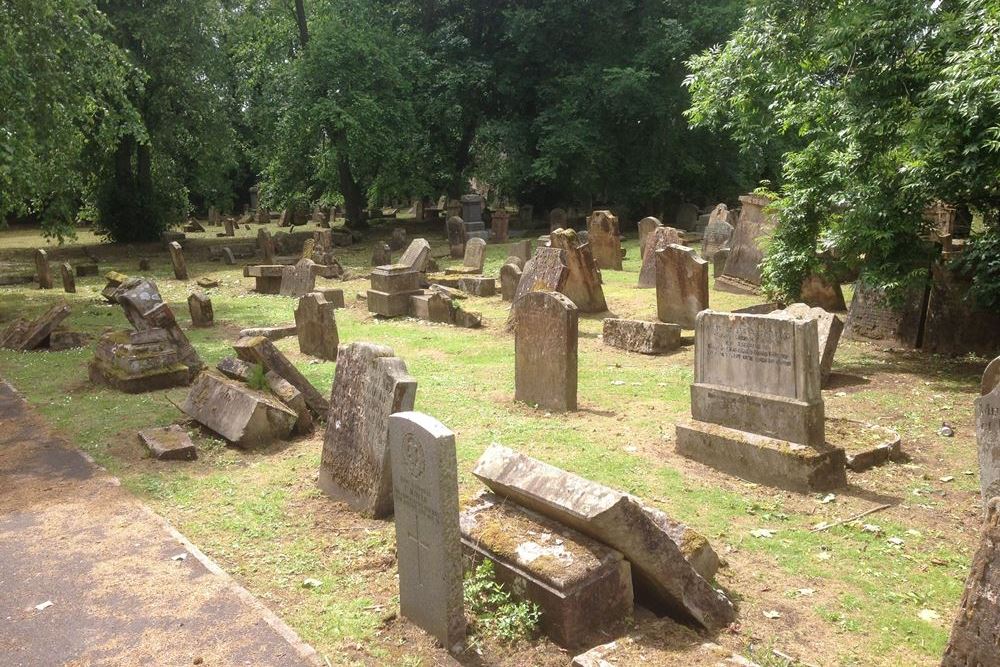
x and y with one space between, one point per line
428 543
681 285
546 326
316 326
43 270
177 259
68 279
200 306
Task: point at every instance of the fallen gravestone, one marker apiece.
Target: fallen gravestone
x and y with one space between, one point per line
246 417
68 280
42 269
742 272
270 333
145 309
428 543
200 306
235 369
659 238
545 350
177 260
642 337
293 400
316 326
604 239
370 384
829 327
681 285
583 280
987 409
23 335
170 443
260 350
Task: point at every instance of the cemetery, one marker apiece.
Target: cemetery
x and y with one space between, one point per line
349 372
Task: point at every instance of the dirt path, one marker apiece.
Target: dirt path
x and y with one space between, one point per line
125 588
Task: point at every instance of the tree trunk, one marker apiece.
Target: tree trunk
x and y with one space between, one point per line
354 197
300 19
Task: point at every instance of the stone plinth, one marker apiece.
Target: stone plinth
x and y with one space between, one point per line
137 362
391 289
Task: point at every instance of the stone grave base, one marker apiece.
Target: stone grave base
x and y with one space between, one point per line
174 375
760 459
582 586
389 305
866 445
777 417
733 285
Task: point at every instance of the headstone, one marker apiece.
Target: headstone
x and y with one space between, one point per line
478 286
145 309
642 337
113 280
646 227
604 239
973 641
545 350
521 249
474 258
557 219
267 277
42 269
991 377
583 281
230 227
316 325
177 259
472 208
333 296
987 410
659 238
299 279
370 384
428 542
499 226
308 248
525 216
235 369
137 361
873 317
213 215
68 280
742 273
756 403
455 228
687 217
170 443
200 306
381 255
227 257
719 261
260 350
546 271
417 255
266 245
391 289
293 399
717 232
510 276
246 417
672 563
829 328
955 325
398 239
681 285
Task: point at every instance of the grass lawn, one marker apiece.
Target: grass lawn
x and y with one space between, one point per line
844 596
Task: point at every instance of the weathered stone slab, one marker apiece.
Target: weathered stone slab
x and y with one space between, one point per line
510 276
369 385
270 333
235 369
642 337
659 238
170 443
29 335
417 255
991 377
293 399
872 317
381 254
333 296
428 541
474 258
671 563
260 350
581 586
478 286
432 307
177 260
521 249
955 324
546 271
646 227
500 226
717 232
200 306
742 272
316 326
987 410
68 280
145 309
245 417
719 261
973 641
42 269
681 285
391 289
829 328
604 239
545 350
583 281
299 279
137 362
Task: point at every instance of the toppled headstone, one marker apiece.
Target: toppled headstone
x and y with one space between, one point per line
177 260
391 289
829 327
42 269
260 350
170 443
417 255
545 350
681 285
270 333
474 258
987 409
742 273
113 280
316 326
659 238
428 543
145 309
369 385
235 369
604 239
246 417
583 280
642 337
23 335
68 280
671 563
293 399
510 276
200 306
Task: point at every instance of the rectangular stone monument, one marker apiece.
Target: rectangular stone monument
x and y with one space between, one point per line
660 238
756 403
499 226
316 326
370 384
641 337
136 362
200 306
646 227
391 289
546 328
177 260
521 249
987 408
428 541
583 280
42 269
68 279
299 279
873 317
605 241
681 285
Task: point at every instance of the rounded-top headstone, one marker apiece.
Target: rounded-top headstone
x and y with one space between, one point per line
991 378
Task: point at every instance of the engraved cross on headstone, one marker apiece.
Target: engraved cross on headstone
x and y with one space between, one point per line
419 547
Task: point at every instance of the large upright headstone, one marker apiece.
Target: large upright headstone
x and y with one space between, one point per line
474 258
646 227
742 272
583 282
370 384
299 279
658 239
42 269
545 350
316 327
546 271
681 285
177 259
756 403
955 324
988 436
428 541
605 240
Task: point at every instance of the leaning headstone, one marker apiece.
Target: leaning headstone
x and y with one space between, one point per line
681 285
177 260
260 350
605 240
642 337
829 327
455 228
659 238
245 417
717 232
510 276
200 306
68 280
42 269
428 544
299 279
557 219
545 350
583 281
646 227
227 257
987 410
671 562
417 255
316 325
546 271
756 403
742 273
873 316
370 384
170 443
973 641
145 309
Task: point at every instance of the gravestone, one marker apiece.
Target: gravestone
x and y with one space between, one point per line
829 328
973 641
719 261
472 208
398 239
583 281
646 227
299 279
510 276
316 326
478 285
819 292
499 226
68 280
145 309
137 361
605 240
742 272
950 303
83 270
428 542
391 289
686 217
557 219
659 238
266 245
260 350
641 337
525 216
873 317
228 258
417 255
474 258
23 335
381 254
270 333
245 417
200 306
42 269
370 384
267 277
230 227
177 260
681 285
455 227
987 410
717 232
756 404
991 377
521 249
545 350
546 271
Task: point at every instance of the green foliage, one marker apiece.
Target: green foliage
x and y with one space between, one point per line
496 614
256 379
981 262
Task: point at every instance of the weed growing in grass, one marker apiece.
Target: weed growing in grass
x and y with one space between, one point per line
496 615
